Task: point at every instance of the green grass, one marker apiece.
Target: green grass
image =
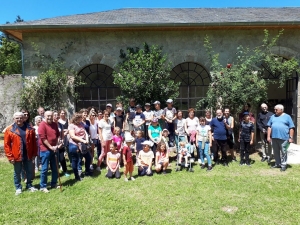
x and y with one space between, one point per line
234 195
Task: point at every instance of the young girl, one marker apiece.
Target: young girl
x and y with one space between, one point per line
203 142
246 136
127 158
183 153
165 138
113 161
117 138
138 143
162 158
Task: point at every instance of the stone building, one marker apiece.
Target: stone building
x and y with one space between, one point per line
98 37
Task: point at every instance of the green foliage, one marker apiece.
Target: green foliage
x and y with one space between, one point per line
145 75
53 87
242 81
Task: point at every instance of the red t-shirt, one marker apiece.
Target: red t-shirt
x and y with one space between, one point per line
127 153
47 132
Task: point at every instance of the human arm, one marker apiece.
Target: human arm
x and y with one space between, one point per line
259 123
8 146
186 128
252 138
269 134
291 133
197 138
107 162
150 164
156 158
210 138
76 138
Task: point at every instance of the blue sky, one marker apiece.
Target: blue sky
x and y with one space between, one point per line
39 9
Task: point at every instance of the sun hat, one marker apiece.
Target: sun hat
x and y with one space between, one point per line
150 143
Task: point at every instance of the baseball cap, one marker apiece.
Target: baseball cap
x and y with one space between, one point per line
138 106
119 108
147 104
156 102
245 113
154 120
169 101
109 105
150 143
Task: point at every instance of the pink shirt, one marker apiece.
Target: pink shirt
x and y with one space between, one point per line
113 159
79 132
118 140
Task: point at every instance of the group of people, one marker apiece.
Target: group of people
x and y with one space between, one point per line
152 134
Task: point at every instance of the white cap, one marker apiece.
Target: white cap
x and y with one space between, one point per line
119 108
128 137
156 102
169 101
150 143
108 105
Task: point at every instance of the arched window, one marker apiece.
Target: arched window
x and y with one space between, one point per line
194 80
98 89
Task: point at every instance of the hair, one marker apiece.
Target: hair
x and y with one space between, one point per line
159 147
181 143
279 106
191 110
263 104
117 129
142 133
36 118
76 118
178 111
28 117
18 114
90 114
247 104
63 110
83 110
114 144
208 111
202 119
100 111
132 100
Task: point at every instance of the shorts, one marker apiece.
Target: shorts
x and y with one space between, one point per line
128 167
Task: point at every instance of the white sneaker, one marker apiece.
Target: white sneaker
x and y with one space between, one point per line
186 165
132 178
205 159
126 179
199 161
98 168
32 189
137 165
18 191
45 190
91 167
79 172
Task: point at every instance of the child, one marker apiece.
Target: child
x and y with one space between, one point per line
246 136
158 114
139 119
145 159
203 141
138 143
169 115
117 138
162 158
113 161
165 139
119 120
127 158
183 153
148 118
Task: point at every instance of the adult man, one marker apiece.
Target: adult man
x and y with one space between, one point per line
169 114
158 112
21 149
48 143
281 130
41 111
262 121
230 137
219 125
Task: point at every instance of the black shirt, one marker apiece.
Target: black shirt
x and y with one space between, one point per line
22 131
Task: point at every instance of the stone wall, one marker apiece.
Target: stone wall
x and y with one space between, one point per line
10 85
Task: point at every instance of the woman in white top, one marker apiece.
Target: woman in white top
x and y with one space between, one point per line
191 125
93 131
105 136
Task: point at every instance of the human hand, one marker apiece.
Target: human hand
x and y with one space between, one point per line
251 142
148 171
269 139
12 161
239 140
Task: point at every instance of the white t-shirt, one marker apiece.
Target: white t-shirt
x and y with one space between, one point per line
146 157
180 126
106 129
203 131
192 124
148 116
93 130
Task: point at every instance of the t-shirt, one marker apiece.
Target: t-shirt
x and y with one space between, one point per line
180 126
146 157
207 121
112 117
138 118
158 113
281 126
22 131
128 154
148 116
113 159
48 132
203 131
119 120
139 142
118 140
106 129
155 131
161 156
94 130
131 111
219 129
246 130
192 124
169 113
64 123
79 131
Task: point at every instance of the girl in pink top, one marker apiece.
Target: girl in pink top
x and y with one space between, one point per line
117 138
113 162
161 158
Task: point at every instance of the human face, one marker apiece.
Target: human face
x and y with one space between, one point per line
49 117
41 112
38 122
19 120
147 107
117 131
132 103
264 108
246 108
100 115
169 105
165 134
278 111
146 148
163 147
93 116
55 117
202 123
112 148
219 114
191 114
62 115
108 108
247 118
226 112
179 115
25 117
157 106
84 115
106 115
208 115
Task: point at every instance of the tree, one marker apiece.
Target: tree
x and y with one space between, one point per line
242 81
145 75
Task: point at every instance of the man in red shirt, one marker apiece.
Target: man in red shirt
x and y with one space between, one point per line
48 143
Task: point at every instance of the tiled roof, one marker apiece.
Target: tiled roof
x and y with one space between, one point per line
169 16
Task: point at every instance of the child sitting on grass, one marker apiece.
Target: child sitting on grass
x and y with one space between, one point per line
162 158
145 159
183 153
113 161
127 157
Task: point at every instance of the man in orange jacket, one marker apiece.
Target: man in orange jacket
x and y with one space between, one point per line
21 149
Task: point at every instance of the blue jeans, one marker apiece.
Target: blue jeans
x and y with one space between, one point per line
143 171
179 139
170 128
204 152
18 167
76 160
46 158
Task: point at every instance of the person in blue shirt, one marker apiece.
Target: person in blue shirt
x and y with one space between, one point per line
280 134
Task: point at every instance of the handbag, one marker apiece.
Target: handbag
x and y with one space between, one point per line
84 148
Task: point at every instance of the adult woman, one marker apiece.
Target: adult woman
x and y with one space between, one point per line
61 151
78 135
93 134
26 116
105 136
191 125
37 120
86 123
155 134
180 134
99 116
64 123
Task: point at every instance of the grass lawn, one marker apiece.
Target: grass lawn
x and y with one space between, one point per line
232 195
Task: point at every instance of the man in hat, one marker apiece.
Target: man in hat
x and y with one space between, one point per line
170 116
146 157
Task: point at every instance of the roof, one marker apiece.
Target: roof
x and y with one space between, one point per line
146 18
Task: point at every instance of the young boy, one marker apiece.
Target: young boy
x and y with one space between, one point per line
119 120
158 112
148 118
138 143
145 159
139 119
246 136
170 115
127 158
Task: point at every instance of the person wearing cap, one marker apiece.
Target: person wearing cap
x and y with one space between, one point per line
246 136
111 113
139 119
158 112
170 116
148 118
145 159
280 133
127 157
247 108
155 134
130 114
119 120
